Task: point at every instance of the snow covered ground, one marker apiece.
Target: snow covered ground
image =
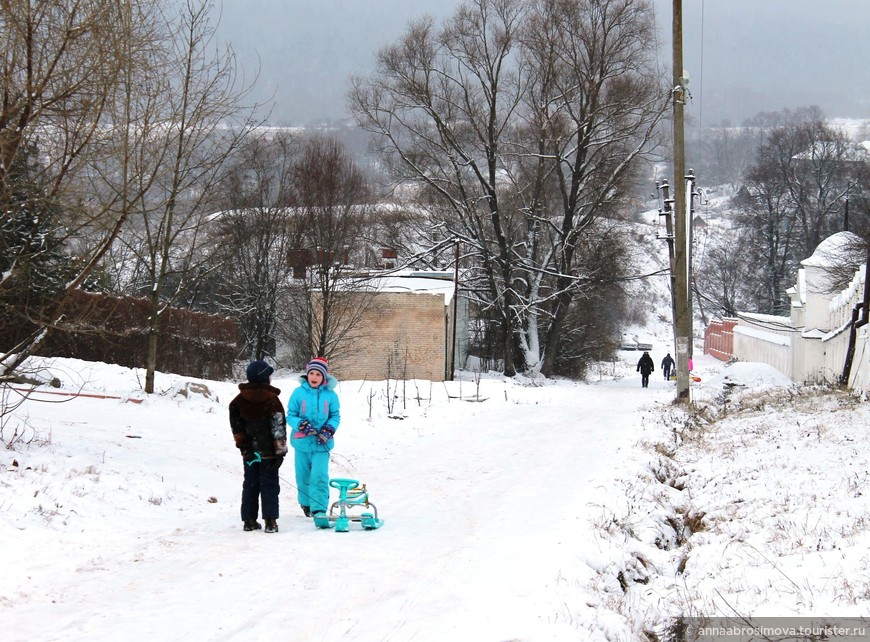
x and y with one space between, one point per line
514 510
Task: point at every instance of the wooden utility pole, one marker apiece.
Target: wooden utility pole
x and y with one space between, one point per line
455 312
682 311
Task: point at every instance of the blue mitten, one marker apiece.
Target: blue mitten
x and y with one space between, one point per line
325 434
306 428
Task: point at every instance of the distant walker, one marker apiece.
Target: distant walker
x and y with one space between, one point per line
668 366
645 366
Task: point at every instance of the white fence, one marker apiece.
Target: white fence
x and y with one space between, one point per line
836 342
811 345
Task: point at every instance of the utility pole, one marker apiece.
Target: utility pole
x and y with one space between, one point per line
455 311
667 212
682 311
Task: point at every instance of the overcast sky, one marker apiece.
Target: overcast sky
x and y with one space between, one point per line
745 56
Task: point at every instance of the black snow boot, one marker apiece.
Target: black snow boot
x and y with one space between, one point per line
306 510
251 525
271 526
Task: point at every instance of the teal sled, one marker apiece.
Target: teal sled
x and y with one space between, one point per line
350 497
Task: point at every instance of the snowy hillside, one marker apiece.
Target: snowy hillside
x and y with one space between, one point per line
514 510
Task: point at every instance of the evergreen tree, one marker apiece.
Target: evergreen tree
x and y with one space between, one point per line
33 260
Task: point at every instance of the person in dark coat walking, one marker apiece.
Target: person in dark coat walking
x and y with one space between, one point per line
668 365
645 366
260 432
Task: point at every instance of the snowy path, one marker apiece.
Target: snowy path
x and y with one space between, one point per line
487 506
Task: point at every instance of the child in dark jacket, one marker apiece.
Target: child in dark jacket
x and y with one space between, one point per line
313 414
260 432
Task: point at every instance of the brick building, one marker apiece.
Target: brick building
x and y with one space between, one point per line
407 331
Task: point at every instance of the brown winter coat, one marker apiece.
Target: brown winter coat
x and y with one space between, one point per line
258 422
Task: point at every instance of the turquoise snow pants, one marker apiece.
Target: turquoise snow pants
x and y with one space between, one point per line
312 479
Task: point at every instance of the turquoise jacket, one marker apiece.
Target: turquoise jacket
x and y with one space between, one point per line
319 406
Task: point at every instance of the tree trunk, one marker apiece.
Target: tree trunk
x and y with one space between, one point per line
153 336
554 333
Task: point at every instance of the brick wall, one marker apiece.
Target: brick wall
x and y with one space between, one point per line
114 329
719 338
404 336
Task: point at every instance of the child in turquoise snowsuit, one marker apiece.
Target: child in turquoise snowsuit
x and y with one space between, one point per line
313 416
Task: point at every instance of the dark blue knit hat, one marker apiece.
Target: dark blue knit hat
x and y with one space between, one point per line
259 371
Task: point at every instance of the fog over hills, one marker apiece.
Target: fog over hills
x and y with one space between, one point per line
748 56
742 56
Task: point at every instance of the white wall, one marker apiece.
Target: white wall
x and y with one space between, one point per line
765 339
811 345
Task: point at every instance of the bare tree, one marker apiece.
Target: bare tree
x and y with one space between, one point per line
297 217
591 330
63 61
523 120
256 234
812 161
598 101
202 121
765 216
795 195
332 202
726 275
